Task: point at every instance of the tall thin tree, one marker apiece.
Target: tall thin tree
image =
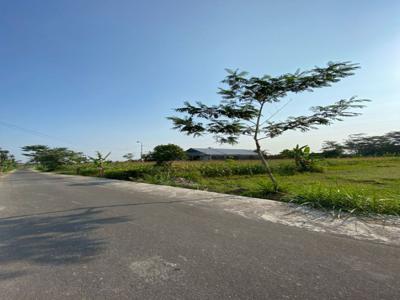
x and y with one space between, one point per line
241 110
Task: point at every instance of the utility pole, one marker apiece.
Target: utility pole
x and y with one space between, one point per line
141 150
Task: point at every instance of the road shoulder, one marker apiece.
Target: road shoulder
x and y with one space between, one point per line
377 228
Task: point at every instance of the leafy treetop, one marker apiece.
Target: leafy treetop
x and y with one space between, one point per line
164 154
241 110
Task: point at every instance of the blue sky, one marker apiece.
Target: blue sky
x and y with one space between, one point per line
100 75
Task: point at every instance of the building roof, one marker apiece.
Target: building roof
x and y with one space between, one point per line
225 152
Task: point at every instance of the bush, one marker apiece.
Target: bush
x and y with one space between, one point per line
164 154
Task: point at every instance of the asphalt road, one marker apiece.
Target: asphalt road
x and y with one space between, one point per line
78 238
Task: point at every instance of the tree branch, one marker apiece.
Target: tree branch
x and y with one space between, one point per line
323 115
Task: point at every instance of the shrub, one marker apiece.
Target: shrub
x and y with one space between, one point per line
164 154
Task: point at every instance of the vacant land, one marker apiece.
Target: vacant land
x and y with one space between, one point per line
359 185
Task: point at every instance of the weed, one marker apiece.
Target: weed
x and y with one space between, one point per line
346 199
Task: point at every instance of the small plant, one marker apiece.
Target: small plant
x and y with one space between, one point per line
303 159
100 161
267 189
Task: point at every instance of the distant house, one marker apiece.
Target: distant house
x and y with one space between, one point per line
211 153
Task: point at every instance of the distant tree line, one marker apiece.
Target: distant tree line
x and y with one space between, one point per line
379 145
357 145
49 159
7 161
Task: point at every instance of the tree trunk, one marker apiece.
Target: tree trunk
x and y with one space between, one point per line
266 165
260 154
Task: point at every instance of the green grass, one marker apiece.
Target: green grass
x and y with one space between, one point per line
359 185
7 170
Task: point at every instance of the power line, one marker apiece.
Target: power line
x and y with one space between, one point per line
33 132
51 137
277 111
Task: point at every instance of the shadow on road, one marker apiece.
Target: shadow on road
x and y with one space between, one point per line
30 177
52 240
117 205
27 180
4 275
91 183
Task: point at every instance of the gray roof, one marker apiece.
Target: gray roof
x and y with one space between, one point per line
226 152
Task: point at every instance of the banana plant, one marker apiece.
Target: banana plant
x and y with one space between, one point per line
302 157
100 161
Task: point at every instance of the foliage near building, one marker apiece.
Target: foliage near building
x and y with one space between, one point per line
165 154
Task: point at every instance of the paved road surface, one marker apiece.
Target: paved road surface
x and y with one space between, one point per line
78 238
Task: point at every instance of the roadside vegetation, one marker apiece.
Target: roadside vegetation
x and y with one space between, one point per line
338 178
45 158
358 185
7 161
344 176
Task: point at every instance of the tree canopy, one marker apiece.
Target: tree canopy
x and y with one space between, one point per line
163 154
378 145
7 160
332 149
241 109
50 159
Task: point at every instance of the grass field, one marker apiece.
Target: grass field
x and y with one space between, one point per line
358 185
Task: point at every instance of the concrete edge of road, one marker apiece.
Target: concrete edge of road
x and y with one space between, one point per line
8 173
378 228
